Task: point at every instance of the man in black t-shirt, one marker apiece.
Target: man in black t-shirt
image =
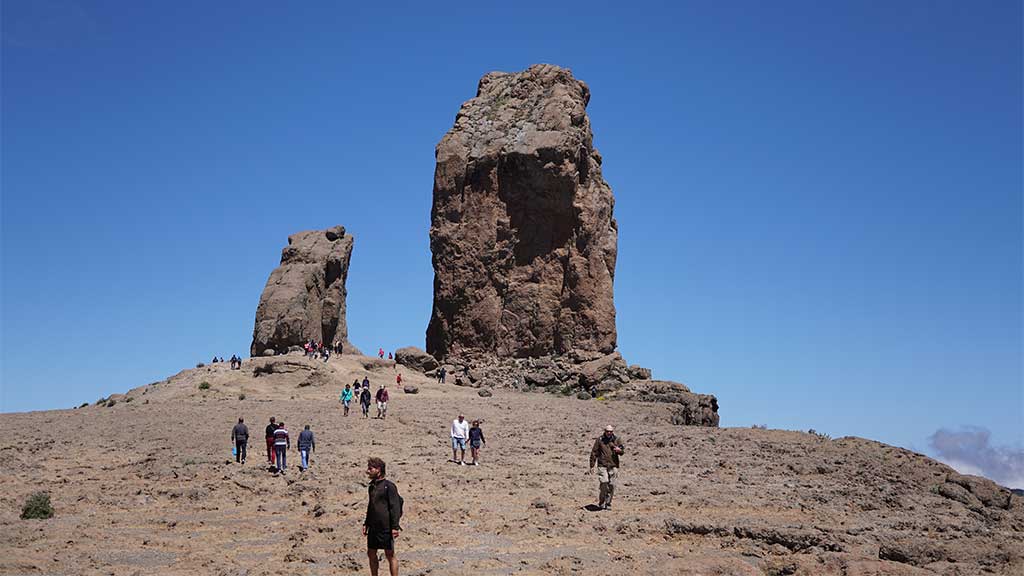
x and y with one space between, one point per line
383 513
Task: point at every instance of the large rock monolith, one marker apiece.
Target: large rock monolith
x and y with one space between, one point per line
522 233
304 298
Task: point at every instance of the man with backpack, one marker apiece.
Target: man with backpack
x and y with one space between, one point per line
382 402
383 514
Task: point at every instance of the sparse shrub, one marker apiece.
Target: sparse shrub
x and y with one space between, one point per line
200 365
129 399
190 462
759 427
37 507
241 396
204 385
110 403
101 401
83 404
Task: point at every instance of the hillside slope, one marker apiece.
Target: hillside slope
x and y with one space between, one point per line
147 486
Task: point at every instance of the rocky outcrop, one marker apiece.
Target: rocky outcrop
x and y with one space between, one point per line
522 234
413 357
304 298
689 409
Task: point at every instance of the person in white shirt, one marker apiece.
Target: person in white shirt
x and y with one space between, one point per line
460 433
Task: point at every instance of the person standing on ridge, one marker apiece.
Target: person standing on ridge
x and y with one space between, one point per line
380 353
240 436
364 401
459 434
270 440
605 453
346 397
307 444
383 516
281 445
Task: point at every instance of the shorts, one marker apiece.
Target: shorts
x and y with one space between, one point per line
458 443
380 540
474 443
382 406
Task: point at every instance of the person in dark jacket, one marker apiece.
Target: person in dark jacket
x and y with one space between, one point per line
364 401
306 445
270 440
605 453
476 440
282 442
383 513
240 436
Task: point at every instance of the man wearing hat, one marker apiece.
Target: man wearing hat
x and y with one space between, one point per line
605 454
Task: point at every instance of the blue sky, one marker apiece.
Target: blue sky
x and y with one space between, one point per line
819 204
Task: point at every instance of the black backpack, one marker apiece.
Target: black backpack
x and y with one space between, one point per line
401 501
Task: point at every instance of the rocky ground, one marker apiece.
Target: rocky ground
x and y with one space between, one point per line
147 486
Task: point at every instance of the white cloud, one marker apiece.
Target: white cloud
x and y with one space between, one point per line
970 451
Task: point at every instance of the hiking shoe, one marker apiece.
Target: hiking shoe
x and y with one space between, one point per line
476 463
462 463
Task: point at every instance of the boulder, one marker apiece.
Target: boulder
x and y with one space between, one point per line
304 298
410 389
484 393
413 357
522 233
637 372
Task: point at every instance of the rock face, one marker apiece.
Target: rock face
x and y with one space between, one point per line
522 234
304 297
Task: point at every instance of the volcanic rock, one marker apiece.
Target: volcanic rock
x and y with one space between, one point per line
413 357
522 234
304 298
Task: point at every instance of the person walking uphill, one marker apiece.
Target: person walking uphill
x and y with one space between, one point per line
605 453
240 436
307 444
383 514
281 445
270 440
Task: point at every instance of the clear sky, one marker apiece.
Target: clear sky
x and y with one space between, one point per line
819 203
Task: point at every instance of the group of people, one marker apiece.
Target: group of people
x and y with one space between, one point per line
463 433
236 361
361 390
278 444
319 350
381 525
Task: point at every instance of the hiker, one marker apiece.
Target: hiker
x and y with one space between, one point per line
240 436
476 440
270 440
281 445
382 402
355 387
214 361
346 397
605 454
390 357
459 433
398 379
364 401
366 381
380 353
306 444
383 514
440 375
